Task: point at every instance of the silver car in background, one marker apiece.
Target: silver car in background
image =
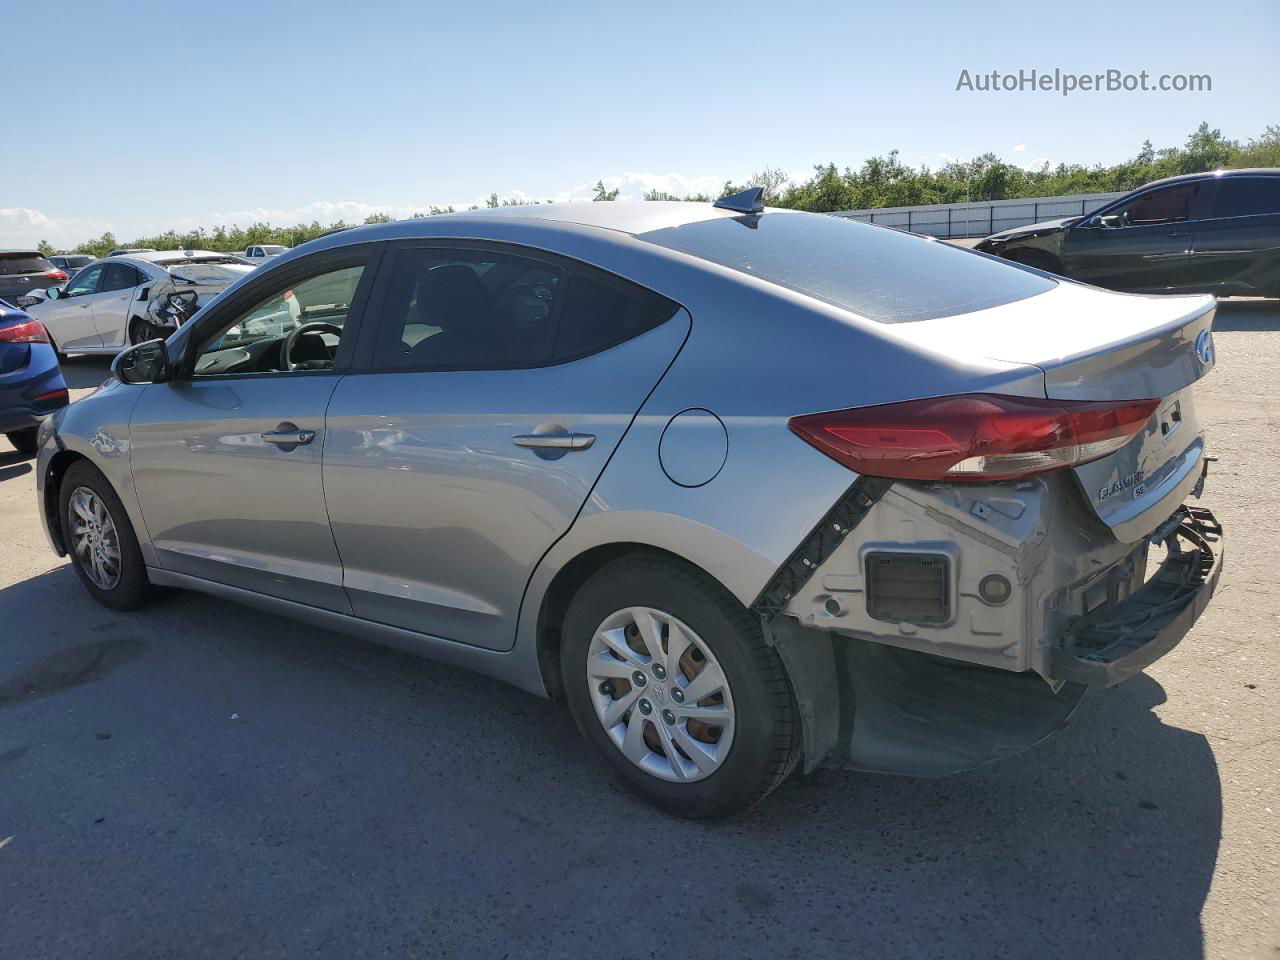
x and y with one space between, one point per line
748 489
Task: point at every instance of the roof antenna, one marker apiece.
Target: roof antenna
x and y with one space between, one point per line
750 200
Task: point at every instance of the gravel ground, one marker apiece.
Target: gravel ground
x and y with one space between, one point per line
202 780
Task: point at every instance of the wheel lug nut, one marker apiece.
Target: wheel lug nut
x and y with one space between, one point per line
639 679
677 695
645 707
668 718
659 671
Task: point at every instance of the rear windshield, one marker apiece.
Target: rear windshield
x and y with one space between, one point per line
12 264
878 273
274 251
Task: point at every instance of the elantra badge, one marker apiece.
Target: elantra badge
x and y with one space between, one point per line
1204 347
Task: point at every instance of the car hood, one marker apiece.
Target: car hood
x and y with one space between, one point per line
1032 229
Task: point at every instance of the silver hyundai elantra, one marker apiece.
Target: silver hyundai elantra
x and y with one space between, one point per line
748 489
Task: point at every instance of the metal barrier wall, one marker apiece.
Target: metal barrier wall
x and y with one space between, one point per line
952 220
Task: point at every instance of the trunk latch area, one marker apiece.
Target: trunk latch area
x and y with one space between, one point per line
1116 640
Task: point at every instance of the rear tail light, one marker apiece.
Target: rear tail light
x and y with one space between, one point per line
29 331
973 438
57 276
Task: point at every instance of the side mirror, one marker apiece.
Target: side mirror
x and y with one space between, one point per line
54 293
1111 220
146 363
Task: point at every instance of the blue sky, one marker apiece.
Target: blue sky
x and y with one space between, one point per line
179 114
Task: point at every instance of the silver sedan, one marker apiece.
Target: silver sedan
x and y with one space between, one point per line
750 490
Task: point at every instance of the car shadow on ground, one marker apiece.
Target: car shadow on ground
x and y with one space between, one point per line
85 372
249 783
1247 315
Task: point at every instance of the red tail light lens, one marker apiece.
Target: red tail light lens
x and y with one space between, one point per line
973 438
57 276
29 331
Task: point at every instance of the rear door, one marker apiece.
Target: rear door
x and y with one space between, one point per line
1237 246
1141 245
111 309
490 394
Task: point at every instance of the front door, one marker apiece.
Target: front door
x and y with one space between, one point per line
1142 245
69 319
495 390
226 458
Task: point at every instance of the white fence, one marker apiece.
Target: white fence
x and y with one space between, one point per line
951 220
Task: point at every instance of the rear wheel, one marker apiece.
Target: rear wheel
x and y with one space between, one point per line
140 331
24 441
96 530
670 679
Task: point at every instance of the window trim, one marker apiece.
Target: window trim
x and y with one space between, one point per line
370 255
367 346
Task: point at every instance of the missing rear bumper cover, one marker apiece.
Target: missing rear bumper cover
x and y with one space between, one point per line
821 542
1117 640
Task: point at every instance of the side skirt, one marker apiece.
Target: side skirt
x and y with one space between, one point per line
515 667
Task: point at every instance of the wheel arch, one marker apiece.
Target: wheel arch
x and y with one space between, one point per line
59 464
566 582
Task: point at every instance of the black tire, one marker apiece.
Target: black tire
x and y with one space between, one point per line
132 585
24 441
139 331
766 741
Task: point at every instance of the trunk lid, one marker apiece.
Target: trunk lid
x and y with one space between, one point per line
1097 345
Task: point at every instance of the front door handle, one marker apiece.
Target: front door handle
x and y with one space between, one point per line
288 435
555 441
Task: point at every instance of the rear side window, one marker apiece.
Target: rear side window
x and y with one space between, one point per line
878 273
119 276
1247 196
451 309
13 264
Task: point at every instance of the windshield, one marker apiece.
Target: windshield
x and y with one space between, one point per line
273 251
876 272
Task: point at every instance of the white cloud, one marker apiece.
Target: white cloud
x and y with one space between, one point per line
1036 164
1019 148
25 227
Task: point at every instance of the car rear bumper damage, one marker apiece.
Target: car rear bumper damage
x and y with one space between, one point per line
971 681
1121 638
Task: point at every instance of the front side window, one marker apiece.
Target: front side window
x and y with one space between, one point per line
1167 205
86 281
1247 196
296 328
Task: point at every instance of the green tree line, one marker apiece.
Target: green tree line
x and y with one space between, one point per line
883 181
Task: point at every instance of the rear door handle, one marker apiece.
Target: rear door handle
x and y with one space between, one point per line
555 441
289 435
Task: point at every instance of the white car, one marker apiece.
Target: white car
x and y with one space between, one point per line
104 307
260 253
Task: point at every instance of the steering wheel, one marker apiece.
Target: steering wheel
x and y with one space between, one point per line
291 339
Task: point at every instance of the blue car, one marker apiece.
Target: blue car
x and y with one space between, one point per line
31 384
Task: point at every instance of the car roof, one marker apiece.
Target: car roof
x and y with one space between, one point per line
1215 174
625 216
25 251
154 256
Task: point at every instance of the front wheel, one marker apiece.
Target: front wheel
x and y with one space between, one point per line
670 679
98 535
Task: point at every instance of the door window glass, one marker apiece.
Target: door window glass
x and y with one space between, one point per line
1168 205
118 276
600 311
449 309
1247 196
293 329
86 281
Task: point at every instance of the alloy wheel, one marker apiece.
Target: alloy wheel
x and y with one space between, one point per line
660 694
94 538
